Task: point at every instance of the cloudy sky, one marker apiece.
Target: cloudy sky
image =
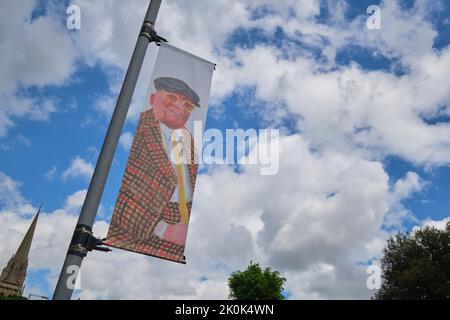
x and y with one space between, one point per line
364 147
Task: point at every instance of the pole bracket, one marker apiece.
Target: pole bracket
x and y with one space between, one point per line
148 31
83 241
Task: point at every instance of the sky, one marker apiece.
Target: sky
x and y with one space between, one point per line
364 138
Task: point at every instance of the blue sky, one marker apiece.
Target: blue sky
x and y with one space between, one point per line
80 91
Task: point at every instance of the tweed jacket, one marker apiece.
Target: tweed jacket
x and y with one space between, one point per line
144 197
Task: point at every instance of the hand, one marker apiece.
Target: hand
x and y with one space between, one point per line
176 233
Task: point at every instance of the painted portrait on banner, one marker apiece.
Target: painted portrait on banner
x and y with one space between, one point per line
152 211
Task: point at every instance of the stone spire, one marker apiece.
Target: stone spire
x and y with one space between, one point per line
13 275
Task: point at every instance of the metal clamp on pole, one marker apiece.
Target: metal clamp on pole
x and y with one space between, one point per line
84 241
148 31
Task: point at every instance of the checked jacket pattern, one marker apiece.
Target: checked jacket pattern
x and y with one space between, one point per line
144 197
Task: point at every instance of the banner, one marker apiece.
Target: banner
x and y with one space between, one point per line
152 211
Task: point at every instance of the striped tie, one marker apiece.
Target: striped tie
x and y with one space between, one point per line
179 167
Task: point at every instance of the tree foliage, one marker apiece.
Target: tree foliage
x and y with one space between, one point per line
417 265
256 284
2 297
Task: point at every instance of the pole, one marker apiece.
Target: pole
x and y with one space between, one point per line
83 231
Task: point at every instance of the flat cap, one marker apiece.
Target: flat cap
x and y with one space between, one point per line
177 86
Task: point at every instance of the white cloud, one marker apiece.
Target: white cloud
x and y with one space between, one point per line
403 188
10 196
298 222
52 233
12 106
79 168
372 112
35 52
376 111
15 141
50 174
76 200
410 184
438 224
126 139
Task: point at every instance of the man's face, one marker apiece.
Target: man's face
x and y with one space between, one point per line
172 109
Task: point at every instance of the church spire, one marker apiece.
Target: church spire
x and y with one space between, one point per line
24 248
13 275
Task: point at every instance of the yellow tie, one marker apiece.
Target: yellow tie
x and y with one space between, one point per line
182 198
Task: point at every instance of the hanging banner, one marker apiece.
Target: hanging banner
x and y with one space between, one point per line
152 210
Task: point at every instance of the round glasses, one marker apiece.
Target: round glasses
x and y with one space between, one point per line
177 98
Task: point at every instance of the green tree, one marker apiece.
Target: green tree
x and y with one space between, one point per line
416 266
2 297
256 284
